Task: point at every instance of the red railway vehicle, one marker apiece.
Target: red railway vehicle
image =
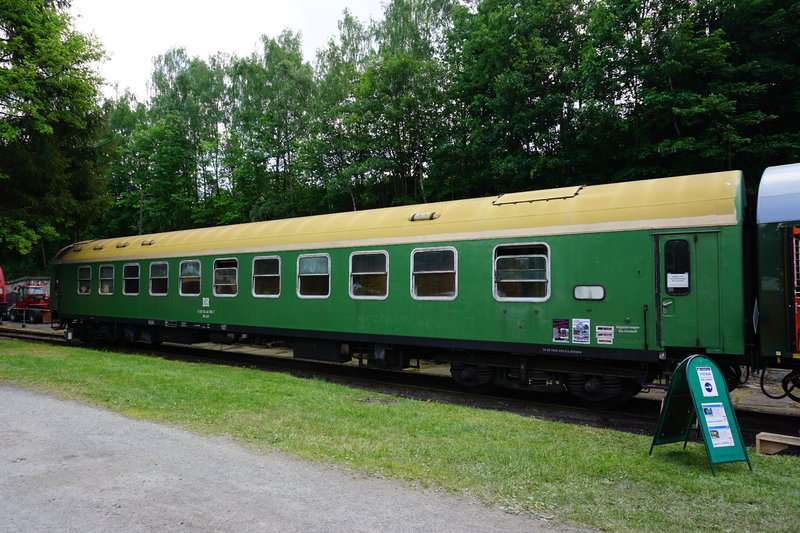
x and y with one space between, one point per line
31 304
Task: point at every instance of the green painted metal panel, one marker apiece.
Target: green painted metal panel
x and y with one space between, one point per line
621 263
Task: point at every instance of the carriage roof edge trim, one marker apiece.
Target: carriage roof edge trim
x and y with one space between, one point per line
701 200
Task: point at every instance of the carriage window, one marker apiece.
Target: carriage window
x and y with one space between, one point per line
226 274
676 264
190 278
130 279
267 277
106 278
369 275
433 274
84 280
159 281
522 273
313 276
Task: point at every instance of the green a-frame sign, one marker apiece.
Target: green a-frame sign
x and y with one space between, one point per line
698 391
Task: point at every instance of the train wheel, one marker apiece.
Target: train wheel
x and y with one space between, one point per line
477 378
732 374
601 392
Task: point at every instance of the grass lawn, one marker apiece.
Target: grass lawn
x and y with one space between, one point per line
604 479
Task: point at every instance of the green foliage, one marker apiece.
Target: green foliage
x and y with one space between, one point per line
45 64
446 99
51 156
271 95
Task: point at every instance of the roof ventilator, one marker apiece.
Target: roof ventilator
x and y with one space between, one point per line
149 243
416 217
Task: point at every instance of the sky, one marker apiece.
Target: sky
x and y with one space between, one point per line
133 33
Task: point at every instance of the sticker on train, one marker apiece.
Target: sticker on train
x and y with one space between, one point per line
560 330
581 330
605 334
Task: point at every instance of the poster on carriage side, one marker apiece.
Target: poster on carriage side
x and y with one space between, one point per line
581 330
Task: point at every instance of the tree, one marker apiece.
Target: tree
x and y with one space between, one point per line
556 92
514 66
125 117
699 85
51 160
380 106
271 94
193 91
164 174
336 145
445 99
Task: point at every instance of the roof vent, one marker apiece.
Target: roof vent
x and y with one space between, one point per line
122 244
99 246
424 216
149 243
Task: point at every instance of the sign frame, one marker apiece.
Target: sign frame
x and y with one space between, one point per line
698 392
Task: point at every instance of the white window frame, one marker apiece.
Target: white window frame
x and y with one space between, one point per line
278 275
454 271
100 279
88 280
548 281
150 278
330 277
138 278
385 254
181 278
235 277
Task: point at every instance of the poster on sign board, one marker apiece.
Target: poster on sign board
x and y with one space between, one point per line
706 377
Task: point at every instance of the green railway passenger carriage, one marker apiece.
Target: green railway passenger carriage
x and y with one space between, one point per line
597 290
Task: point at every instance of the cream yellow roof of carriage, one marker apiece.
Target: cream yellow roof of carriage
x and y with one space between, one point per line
680 202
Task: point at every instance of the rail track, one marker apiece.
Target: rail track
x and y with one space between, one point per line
639 415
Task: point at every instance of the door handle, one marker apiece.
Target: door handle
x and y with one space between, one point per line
664 305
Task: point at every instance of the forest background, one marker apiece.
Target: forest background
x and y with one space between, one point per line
438 100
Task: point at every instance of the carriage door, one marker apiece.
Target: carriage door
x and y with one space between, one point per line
688 297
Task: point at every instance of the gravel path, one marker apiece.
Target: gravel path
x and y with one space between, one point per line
69 467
